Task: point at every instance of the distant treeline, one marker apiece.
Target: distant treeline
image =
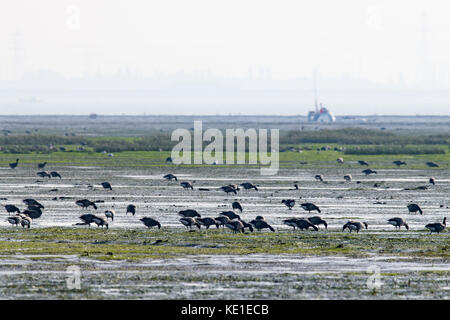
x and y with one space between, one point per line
382 141
360 136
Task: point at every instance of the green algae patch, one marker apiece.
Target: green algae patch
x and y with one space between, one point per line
138 244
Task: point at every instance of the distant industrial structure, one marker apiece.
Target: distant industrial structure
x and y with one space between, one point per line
321 114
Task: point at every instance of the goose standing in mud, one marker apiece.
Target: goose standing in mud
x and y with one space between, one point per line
150 222
369 171
432 164
259 223
236 206
15 220
318 221
236 226
44 174
187 185
207 222
348 177
363 163
399 163
230 214
41 165
412 207
189 222
289 203
340 160
228 189
99 221
248 185
189 213
32 202
85 203
10 208
170 177
310 207
55 174
33 212
432 181
398 223
354 225
25 221
300 223
319 177
222 220
246 225
87 219
131 208
14 164
437 227
106 185
110 214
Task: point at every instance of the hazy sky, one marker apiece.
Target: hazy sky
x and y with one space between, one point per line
382 41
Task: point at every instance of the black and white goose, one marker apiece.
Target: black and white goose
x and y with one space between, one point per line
316 220
236 206
131 208
150 222
259 223
189 213
413 207
189 222
310 207
354 225
170 177
10 208
207 222
437 227
398 223
85 203
290 203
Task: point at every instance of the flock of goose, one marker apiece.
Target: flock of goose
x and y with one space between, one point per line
191 218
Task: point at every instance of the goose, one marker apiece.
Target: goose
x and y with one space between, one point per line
317 221
399 163
186 185
236 226
14 220
369 171
189 213
169 160
363 163
170 177
131 208
310 207
11 208
291 222
55 174
348 177
25 221
230 214
248 185
340 160
246 225
432 181
295 187
188 222
110 214
150 222
432 164
236 206
319 177
106 185
99 221
41 165
412 207
207 222
87 219
228 189
33 212
85 203
398 223
259 223
222 220
32 202
289 203
436 227
300 223
14 164
354 225
43 174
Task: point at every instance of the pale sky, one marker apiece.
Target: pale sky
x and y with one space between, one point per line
381 41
